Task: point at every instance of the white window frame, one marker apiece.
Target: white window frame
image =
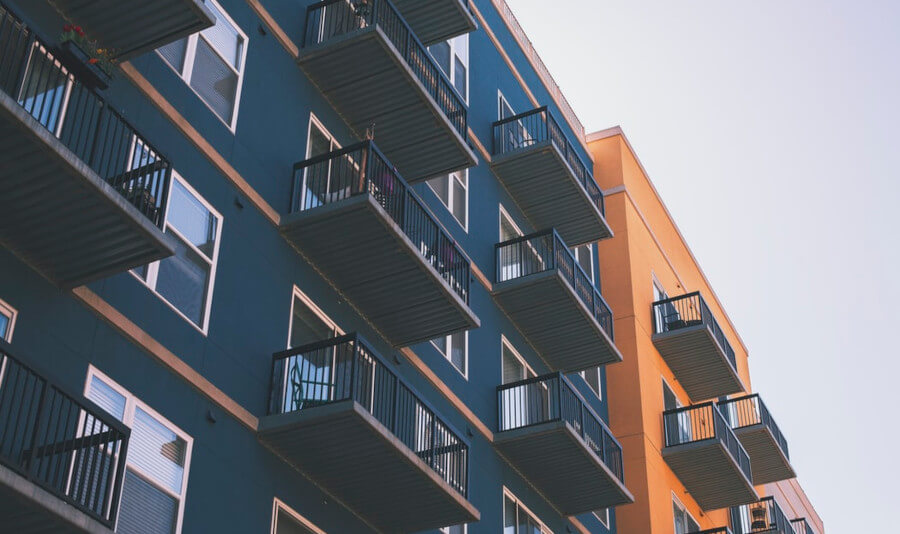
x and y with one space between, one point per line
448 340
298 294
131 403
501 99
453 43
314 121
279 505
604 519
153 268
576 251
463 178
190 55
446 530
677 502
509 494
504 215
584 373
10 313
505 342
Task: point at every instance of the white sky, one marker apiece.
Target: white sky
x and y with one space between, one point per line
768 128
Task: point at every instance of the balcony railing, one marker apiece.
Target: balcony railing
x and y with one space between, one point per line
750 410
720 530
701 422
345 368
689 310
553 398
763 516
363 169
84 122
69 447
801 526
545 251
538 126
334 18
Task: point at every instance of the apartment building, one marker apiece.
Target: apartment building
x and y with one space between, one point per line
299 267
702 450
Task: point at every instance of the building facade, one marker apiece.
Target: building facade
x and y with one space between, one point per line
273 267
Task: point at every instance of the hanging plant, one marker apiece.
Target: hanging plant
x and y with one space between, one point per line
76 45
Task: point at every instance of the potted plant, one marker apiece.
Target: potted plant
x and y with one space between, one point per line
91 63
759 520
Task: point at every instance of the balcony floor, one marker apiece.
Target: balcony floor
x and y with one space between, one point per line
767 461
26 508
544 187
59 216
710 474
357 460
437 20
564 469
133 27
547 311
362 251
698 362
367 81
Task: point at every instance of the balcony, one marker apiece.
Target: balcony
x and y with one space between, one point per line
438 20
760 517
61 459
81 192
720 530
759 434
801 526
350 205
693 345
560 444
708 458
547 178
554 303
341 416
375 72
132 27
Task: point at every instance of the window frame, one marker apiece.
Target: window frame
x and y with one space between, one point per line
446 530
11 314
576 251
280 505
529 371
453 43
677 503
448 339
153 268
508 494
298 294
132 402
501 99
451 194
190 54
599 394
603 520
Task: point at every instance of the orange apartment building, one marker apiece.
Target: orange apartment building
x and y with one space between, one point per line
702 451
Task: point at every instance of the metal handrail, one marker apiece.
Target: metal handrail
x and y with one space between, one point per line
801 526
689 310
720 530
333 18
749 410
363 169
522 131
346 368
545 251
552 397
701 422
762 516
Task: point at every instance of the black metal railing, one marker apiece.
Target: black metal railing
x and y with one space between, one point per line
762 516
84 122
545 251
720 530
333 18
750 410
363 169
69 447
801 526
689 310
552 397
345 368
538 126
702 422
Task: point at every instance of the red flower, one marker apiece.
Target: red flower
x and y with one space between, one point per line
93 61
79 31
67 28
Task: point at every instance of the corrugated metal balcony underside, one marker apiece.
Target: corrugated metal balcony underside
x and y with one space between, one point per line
132 27
547 311
356 459
437 20
544 187
58 215
359 248
564 469
710 474
767 461
698 362
25 508
366 80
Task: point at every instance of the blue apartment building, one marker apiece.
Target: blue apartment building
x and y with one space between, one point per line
296 267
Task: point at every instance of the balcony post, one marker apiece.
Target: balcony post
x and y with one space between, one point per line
433 458
118 482
32 448
355 356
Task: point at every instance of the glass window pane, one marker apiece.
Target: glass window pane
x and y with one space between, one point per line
592 377
224 37
145 509
319 142
4 326
107 398
459 79
441 186
509 516
286 524
157 451
441 54
214 81
183 280
441 344
192 219
174 54
460 201
513 369
458 351
307 327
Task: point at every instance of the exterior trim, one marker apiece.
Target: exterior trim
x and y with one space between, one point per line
280 505
273 27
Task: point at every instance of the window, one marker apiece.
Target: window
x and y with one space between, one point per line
456 529
684 523
308 323
156 468
453 190
585 257
211 62
603 516
455 348
519 520
504 110
514 367
287 521
185 280
593 379
453 58
7 321
523 404
661 313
